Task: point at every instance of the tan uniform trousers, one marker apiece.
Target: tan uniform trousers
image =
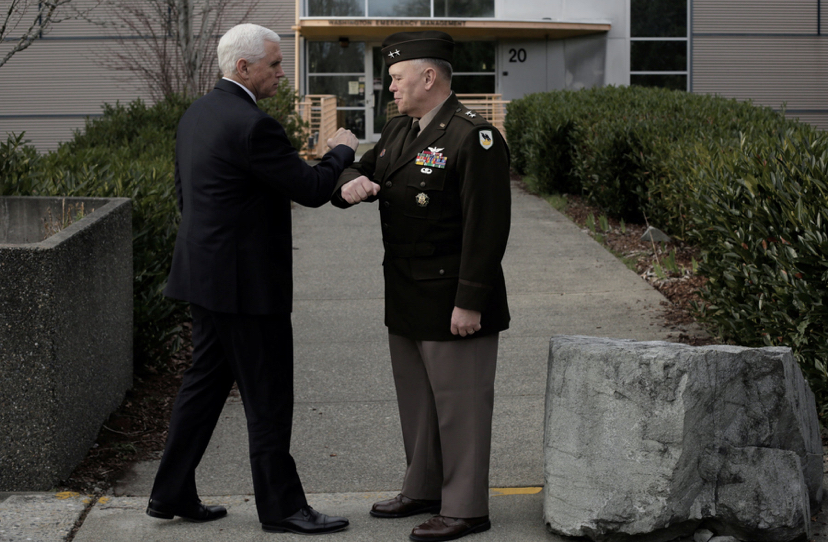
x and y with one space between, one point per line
445 392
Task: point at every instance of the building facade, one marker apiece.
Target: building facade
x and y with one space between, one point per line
771 52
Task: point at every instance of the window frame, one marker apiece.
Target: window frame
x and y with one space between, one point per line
686 39
365 15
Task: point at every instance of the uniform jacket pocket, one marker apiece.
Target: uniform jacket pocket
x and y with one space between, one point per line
424 193
436 267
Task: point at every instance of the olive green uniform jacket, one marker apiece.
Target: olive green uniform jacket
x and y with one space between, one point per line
444 206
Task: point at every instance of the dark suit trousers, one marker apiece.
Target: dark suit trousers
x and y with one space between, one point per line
256 352
445 391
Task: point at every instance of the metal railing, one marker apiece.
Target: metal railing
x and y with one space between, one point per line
319 111
490 106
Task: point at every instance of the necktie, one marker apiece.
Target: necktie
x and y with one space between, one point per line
412 133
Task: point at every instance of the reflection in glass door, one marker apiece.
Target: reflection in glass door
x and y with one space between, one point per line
340 70
381 94
355 72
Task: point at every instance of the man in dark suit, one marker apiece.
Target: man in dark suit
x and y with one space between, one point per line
441 175
235 175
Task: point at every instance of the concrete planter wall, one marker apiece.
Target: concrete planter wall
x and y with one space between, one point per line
65 332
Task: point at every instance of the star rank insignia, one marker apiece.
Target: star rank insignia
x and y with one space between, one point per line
470 114
392 54
421 199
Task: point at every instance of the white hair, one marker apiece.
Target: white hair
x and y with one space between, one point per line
442 67
243 41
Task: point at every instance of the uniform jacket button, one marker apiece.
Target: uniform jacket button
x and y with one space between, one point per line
422 183
388 184
442 271
386 203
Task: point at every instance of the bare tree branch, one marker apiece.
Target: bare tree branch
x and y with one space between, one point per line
43 15
170 45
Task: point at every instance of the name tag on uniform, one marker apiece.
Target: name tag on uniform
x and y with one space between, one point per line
431 158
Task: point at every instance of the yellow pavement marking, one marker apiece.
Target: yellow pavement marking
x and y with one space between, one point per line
500 491
67 495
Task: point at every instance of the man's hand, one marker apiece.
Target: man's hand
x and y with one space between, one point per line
343 137
359 189
464 322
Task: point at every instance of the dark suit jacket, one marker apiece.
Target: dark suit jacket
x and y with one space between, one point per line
235 175
444 207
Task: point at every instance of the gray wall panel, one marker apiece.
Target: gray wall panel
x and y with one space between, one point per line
820 120
63 77
50 87
45 133
93 18
769 71
755 16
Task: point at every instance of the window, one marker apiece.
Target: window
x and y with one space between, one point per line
399 8
473 67
335 8
659 43
333 69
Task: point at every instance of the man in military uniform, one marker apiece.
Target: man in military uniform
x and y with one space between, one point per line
441 175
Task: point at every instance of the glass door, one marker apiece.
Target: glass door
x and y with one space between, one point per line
380 95
338 68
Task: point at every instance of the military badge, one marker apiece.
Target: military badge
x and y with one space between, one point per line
470 114
421 199
432 158
426 170
486 140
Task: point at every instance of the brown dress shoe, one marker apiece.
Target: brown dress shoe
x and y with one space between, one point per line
402 507
440 528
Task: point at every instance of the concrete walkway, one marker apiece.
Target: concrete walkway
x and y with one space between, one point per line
347 441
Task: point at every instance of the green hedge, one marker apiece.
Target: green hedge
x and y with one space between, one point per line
762 221
623 147
743 183
129 151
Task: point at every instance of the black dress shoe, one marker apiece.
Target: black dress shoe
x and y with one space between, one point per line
442 528
192 512
307 521
402 507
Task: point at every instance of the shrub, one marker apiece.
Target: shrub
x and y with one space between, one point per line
761 223
626 149
743 183
19 164
539 130
129 152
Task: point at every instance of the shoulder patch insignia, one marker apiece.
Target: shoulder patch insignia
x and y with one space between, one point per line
486 140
